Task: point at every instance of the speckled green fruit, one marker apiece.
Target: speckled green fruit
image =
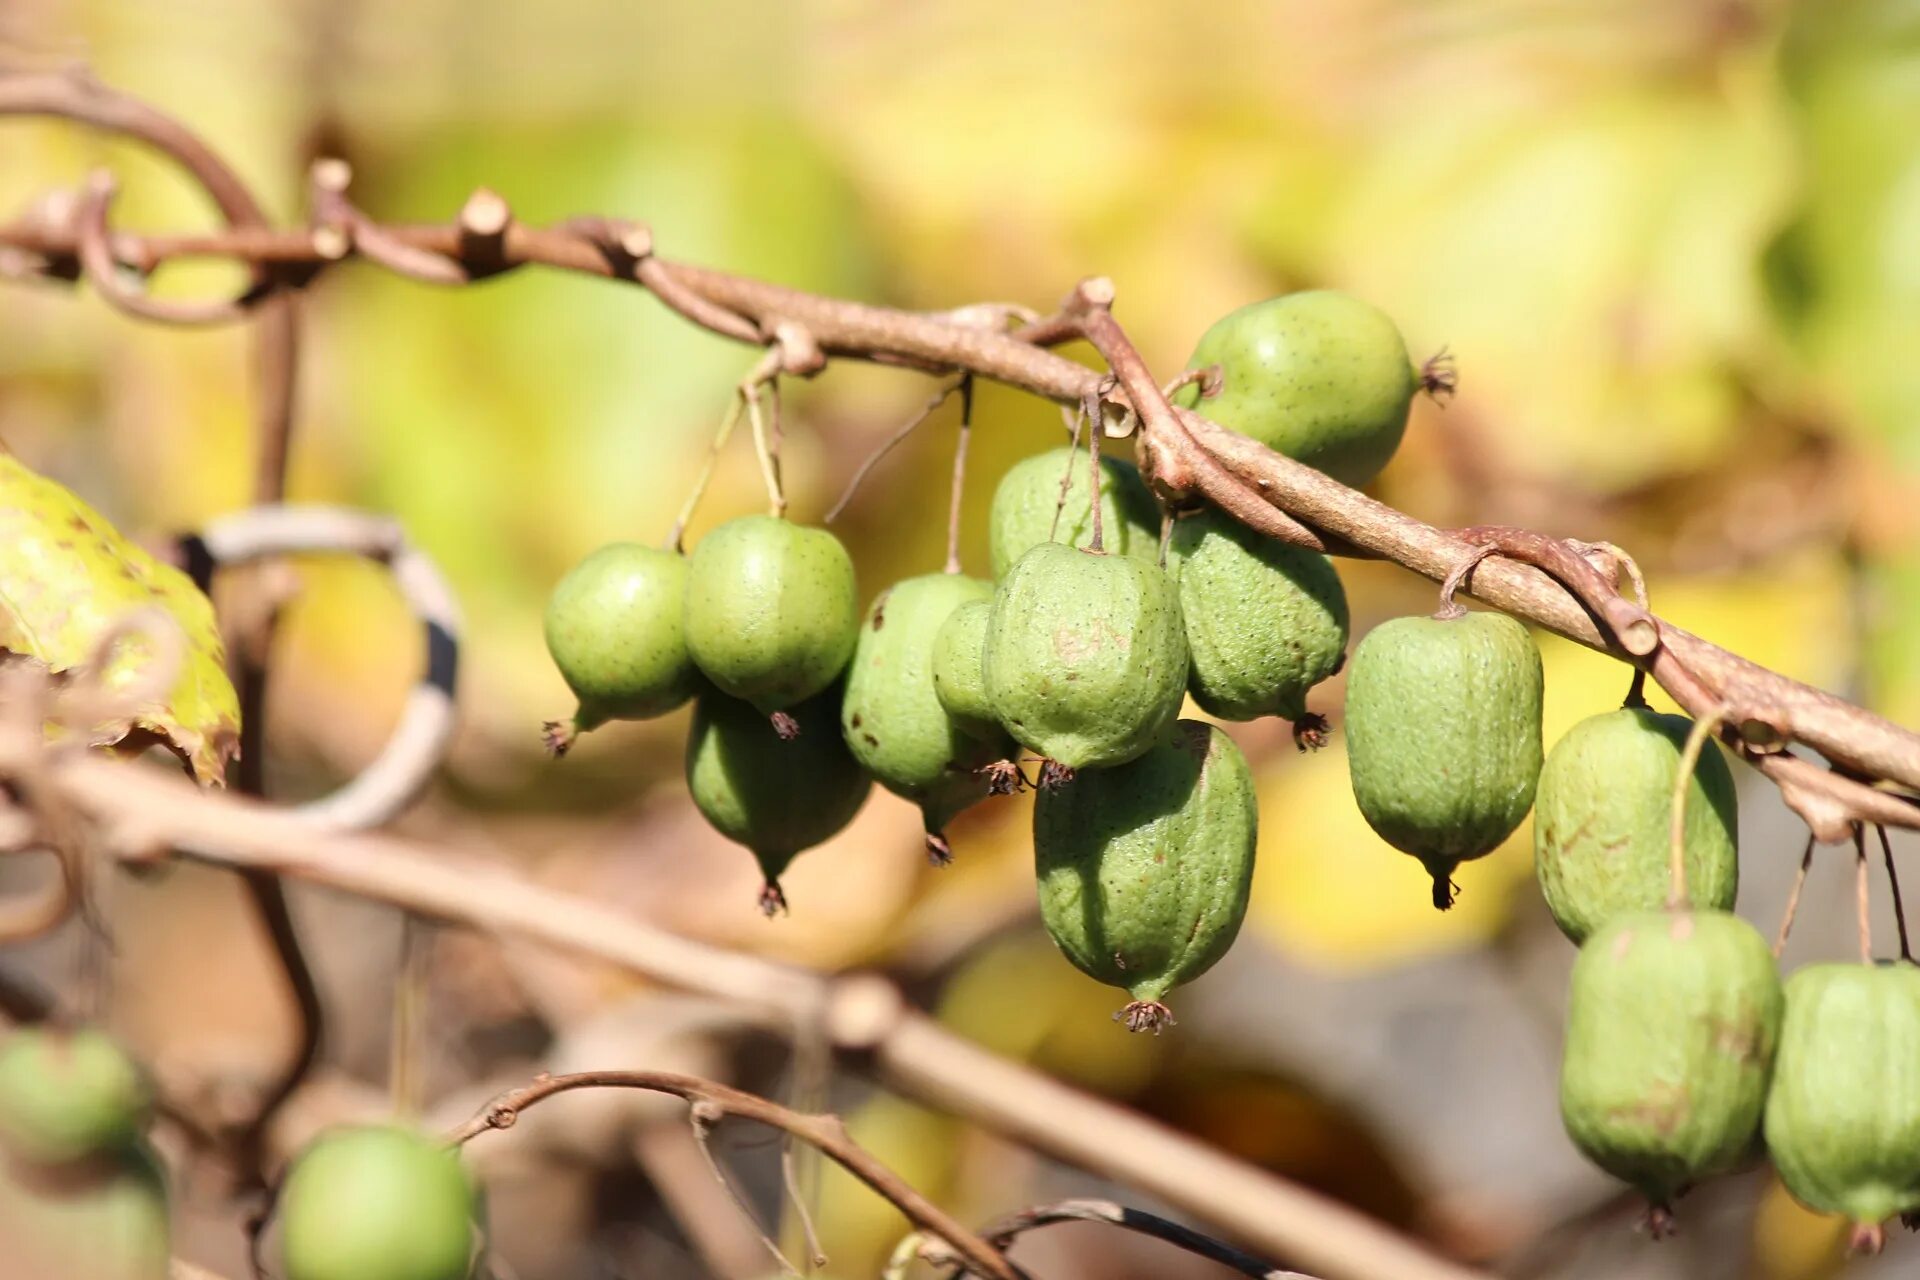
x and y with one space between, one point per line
1600 823
1320 376
891 716
377 1202
1144 869
66 1095
1265 621
775 797
616 627
771 612
1671 1026
1443 736
1022 515
959 670
105 1218
1086 658
1843 1117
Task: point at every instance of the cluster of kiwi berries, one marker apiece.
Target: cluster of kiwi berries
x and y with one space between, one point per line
1074 660
1683 1051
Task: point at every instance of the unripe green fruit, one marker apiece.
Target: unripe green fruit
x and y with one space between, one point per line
1028 498
1443 736
67 1095
1843 1116
103 1218
1671 1026
1086 657
959 670
1265 621
377 1203
616 627
1600 823
892 718
773 796
1320 376
771 613
1144 869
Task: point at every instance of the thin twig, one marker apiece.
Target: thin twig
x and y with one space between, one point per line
1697 736
712 1100
728 420
1793 898
957 495
1893 882
906 429
1003 1233
700 1120
1079 420
1862 900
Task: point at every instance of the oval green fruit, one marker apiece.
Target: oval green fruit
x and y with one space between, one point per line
1843 1116
1320 376
891 716
1086 657
105 1218
1443 736
377 1202
1265 621
1671 1026
959 670
1144 869
1027 501
771 614
773 796
66 1095
1600 823
616 627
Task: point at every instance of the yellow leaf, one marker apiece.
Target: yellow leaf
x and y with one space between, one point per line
68 577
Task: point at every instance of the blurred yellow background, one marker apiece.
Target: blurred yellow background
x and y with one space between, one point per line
1674 246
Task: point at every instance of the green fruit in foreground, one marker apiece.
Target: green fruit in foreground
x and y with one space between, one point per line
1320 376
66 1095
1843 1117
1671 1026
1265 621
892 718
377 1203
771 614
105 1218
1600 824
1028 497
960 670
1443 736
616 627
1086 658
1145 869
774 796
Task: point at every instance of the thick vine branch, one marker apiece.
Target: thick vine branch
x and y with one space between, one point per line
1190 457
712 1100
